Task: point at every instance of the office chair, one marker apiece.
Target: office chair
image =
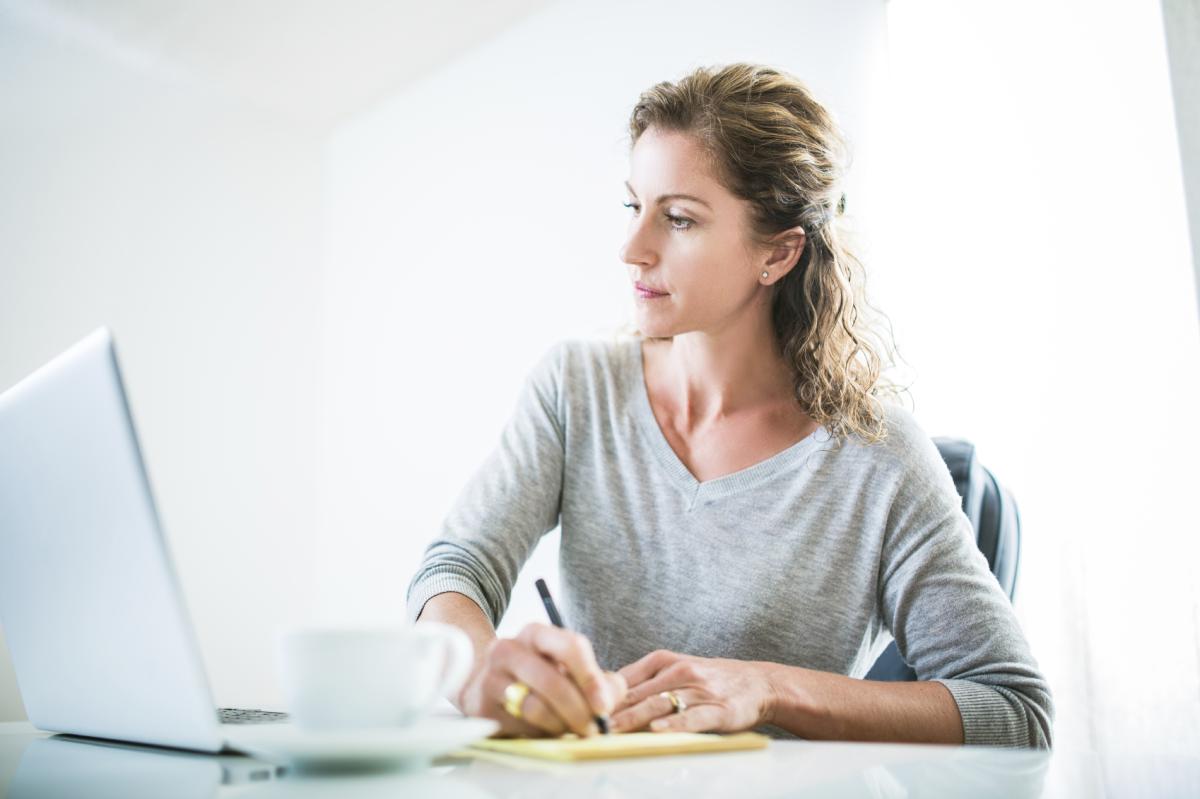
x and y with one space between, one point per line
993 514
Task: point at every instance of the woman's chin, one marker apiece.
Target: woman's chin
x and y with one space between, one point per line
652 326
655 331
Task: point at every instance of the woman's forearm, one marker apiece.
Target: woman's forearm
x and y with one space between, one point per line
824 706
462 612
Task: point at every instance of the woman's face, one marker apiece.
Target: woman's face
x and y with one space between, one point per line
694 251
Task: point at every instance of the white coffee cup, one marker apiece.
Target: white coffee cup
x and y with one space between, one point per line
351 678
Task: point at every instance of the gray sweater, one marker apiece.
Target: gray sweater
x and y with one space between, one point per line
815 557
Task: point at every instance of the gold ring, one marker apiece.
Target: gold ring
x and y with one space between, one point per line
676 702
514 695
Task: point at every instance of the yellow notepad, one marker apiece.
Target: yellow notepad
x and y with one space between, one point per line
630 744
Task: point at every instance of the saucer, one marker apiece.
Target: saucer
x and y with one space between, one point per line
416 744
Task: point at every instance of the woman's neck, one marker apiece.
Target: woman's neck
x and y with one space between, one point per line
709 377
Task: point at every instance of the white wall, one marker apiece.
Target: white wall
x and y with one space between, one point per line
476 218
191 225
1039 277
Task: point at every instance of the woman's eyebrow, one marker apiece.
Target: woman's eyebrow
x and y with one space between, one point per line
673 196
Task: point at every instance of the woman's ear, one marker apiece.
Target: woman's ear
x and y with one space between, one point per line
786 250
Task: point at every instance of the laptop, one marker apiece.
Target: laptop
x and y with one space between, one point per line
89 601
90 605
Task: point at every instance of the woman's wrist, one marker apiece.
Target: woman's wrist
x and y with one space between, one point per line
824 706
789 705
459 610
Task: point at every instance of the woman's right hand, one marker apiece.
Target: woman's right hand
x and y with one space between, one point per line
566 686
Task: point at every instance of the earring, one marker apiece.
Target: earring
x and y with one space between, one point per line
765 274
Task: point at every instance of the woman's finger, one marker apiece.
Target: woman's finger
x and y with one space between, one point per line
535 711
618 687
575 652
556 690
679 674
493 687
646 667
653 707
701 718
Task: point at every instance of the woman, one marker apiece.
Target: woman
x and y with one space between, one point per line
744 519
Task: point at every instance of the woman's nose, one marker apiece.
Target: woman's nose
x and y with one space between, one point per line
635 249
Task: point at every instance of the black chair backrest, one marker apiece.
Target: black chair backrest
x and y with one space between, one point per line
993 514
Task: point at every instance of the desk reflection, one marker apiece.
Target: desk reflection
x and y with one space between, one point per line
59 767
69 767
64 766
833 770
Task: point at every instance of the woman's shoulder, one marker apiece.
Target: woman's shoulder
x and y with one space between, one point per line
580 361
904 432
917 457
905 448
598 349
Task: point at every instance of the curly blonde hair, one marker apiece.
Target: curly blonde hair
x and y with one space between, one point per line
771 143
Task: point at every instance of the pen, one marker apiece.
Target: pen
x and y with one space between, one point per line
556 620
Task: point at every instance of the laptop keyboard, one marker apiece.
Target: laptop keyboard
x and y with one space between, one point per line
233 715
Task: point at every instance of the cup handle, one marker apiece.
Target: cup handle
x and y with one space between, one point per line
459 654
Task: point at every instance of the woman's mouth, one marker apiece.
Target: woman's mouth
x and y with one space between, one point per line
646 293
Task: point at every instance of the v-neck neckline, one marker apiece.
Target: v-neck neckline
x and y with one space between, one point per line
697 491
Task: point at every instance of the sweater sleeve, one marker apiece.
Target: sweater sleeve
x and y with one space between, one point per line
508 504
951 620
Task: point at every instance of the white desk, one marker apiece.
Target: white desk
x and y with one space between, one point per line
34 764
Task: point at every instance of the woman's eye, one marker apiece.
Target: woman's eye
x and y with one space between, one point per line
677 222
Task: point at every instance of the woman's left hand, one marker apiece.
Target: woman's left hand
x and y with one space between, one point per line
720 695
